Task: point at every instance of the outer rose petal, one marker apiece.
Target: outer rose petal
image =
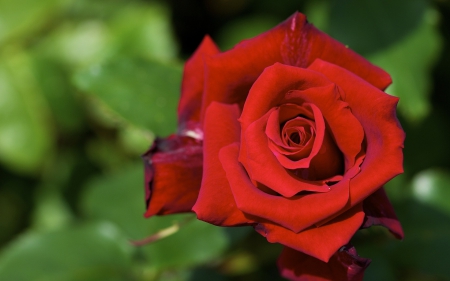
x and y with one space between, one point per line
379 211
173 173
215 203
230 75
376 111
271 87
263 166
192 85
346 129
344 265
319 242
295 213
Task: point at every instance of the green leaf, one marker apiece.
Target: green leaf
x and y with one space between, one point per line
135 140
119 198
409 62
370 25
244 28
425 247
26 138
141 92
78 43
51 211
53 81
145 30
80 253
318 12
433 188
197 242
423 251
21 17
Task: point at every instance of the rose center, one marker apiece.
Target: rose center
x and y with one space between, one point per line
295 137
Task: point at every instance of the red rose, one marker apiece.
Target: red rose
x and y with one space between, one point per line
297 139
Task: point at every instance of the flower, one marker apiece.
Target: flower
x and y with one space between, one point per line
289 132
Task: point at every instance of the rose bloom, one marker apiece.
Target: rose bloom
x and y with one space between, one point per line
289 132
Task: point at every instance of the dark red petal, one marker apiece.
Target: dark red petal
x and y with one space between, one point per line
344 265
282 115
295 213
264 167
230 75
271 87
215 203
321 46
343 125
379 211
376 111
269 91
173 173
255 128
192 85
319 242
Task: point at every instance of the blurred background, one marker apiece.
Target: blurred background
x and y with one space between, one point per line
85 85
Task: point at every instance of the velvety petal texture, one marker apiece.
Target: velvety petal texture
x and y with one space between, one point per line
193 80
379 211
289 132
383 133
215 203
344 265
173 173
230 75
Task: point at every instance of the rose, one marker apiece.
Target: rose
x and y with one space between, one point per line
289 132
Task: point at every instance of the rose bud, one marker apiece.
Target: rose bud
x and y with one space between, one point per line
289 132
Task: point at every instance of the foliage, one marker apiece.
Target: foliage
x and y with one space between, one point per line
86 85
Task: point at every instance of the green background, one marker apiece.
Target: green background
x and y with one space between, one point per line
86 85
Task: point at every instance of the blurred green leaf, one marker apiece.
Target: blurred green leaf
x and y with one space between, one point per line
433 188
51 212
54 83
119 198
423 151
196 242
318 12
423 251
409 62
141 92
206 274
426 245
26 138
21 17
107 154
244 28
135 140
86 252
371 25
78 43
145 30
110 30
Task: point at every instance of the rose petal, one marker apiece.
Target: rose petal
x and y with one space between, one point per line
379 211
319 242
173 173
192 85
271 87
274 133
295 213
343 125
376 111
268 167
230 75
256 136
215 203
344 265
